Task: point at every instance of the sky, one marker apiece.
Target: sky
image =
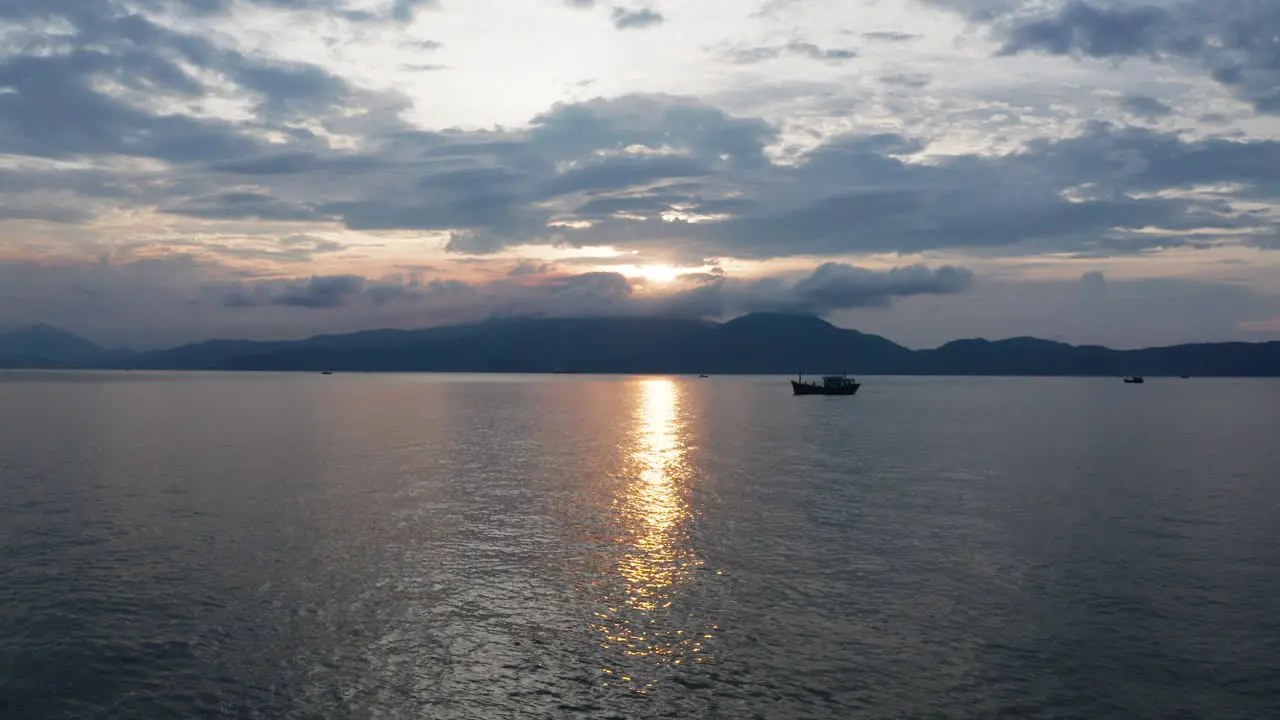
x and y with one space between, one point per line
1091 171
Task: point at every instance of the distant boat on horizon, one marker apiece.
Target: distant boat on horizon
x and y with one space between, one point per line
830 385
1134 380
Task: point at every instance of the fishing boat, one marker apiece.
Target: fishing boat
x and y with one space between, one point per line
1134 380
830 385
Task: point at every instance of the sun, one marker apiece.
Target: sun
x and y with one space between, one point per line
657 273
654 273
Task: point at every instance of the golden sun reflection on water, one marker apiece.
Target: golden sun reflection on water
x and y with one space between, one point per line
654 506
657 557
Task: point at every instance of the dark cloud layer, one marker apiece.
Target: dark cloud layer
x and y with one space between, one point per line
170 294
830 287
55 103
164 302
668 158
854 194
1145 106
636 170
654 173
1237 43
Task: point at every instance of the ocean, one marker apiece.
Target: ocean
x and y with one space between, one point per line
206 545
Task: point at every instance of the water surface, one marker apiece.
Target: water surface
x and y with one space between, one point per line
385 546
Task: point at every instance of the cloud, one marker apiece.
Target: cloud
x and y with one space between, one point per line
404 10
44 209
1234 42
1127 313
830 287
529 267
129 130
113 83
646 171
312 243
1136 159
621 173
814 52
907 80
1094 31
294 163
109 117
179 298
399 11
1094 281
854 194
145 301
774 7
244 205
624 19
890 36
979 10
478 242
321 292
1145 106
291 249
157 303
754 55
53 111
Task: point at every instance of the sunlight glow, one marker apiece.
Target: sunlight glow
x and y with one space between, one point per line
654 510
655 505
653 273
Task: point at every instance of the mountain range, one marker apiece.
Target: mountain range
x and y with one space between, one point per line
759 344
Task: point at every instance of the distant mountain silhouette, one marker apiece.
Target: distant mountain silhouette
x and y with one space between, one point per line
762 343
45 346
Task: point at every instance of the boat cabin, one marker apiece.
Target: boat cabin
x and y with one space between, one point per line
830 385
830 381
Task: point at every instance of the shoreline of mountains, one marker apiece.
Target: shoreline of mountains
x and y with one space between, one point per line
761 343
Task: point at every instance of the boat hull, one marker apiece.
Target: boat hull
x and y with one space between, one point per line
798 388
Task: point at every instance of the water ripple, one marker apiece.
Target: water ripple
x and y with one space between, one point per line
274 546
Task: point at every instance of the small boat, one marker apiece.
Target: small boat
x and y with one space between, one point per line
1186 377
702 376
830 385
1134 380
327 372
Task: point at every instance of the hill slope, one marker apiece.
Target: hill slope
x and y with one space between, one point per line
760 343
46 346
